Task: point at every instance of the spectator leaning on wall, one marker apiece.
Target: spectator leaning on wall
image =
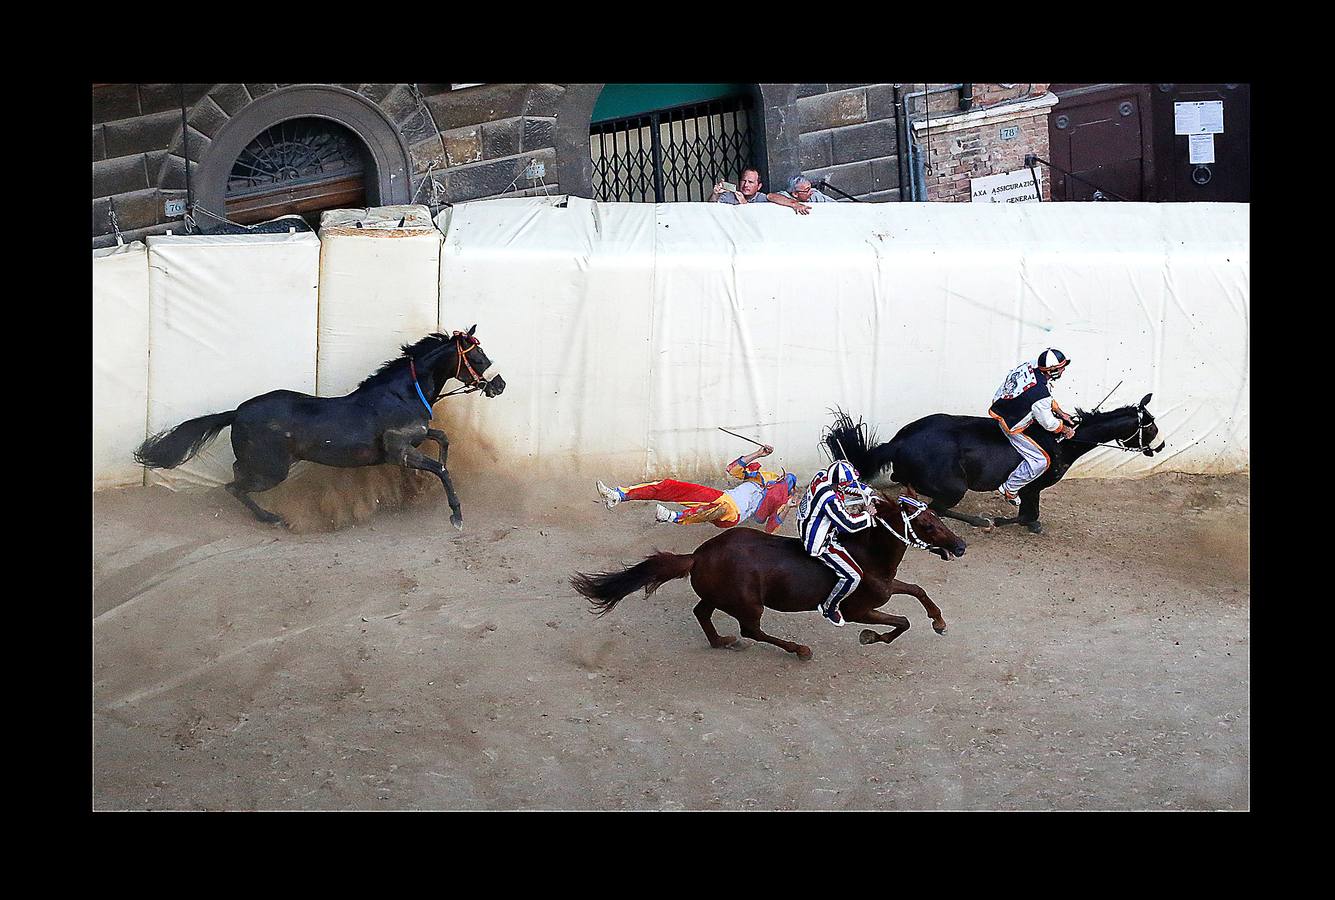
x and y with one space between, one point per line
799 193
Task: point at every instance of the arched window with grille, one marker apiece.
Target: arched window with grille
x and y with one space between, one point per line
300 166
664 143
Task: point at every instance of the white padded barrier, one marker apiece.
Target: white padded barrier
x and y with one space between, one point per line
120 363
628 332
761 320
232 317
379 290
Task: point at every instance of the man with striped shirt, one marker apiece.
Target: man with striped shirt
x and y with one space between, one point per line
836 503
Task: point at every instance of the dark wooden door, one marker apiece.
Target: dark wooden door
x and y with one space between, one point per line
1101 135
1228 178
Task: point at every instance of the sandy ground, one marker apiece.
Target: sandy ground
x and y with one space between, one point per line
395 664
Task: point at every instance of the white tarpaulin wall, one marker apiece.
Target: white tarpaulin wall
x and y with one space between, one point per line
231 317
120 363
379 289
576 340
628 332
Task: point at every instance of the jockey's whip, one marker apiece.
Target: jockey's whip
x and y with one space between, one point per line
1110 393
742 436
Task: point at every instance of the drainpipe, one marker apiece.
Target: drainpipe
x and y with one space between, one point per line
966 97
902 140
918 165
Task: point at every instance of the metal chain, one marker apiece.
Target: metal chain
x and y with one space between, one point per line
115 222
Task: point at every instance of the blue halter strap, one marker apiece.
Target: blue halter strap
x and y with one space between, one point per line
413 369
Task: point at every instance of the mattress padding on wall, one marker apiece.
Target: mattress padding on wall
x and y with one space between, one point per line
379 289
120 363
627 340
232 317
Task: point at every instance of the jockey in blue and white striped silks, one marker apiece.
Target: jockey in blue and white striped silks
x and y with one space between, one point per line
836 502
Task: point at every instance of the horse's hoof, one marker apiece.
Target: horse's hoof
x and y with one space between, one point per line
868 636
939 630
1035 527
987 524
803 652
726 640
457 521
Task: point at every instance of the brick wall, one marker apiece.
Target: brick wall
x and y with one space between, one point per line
961 146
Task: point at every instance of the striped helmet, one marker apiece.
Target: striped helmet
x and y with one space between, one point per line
841 472
1053 362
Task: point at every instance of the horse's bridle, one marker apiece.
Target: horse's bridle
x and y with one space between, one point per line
478 383
909 537
1125 443
1143 420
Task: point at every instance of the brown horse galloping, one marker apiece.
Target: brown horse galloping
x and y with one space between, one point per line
742 572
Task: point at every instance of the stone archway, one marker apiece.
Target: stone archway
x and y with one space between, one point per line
400 139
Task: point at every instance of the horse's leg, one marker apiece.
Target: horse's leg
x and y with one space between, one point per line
899 624
751 629
1029 511
943 506
704 611
244 481
933 611
1028 514
439 437
399 446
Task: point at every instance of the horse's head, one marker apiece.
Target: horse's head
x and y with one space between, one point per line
477 361
1133 427
1146 430
920 526
467 362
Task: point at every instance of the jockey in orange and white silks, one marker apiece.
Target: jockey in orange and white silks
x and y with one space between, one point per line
1025 397
835 503
763 496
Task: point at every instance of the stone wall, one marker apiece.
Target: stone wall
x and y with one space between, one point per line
848 136
449 146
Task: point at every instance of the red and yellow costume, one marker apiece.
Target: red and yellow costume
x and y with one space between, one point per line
761 495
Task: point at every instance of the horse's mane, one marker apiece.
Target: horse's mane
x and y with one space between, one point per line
1094 417
413 351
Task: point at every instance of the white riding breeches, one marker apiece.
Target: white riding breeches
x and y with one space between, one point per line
1034 461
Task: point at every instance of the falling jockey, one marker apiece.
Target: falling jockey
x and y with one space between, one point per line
1023 399
836 503
762 496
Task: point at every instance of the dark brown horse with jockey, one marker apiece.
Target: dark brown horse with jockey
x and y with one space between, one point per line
743 572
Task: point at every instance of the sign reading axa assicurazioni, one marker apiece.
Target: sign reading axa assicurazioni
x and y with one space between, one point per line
1008 187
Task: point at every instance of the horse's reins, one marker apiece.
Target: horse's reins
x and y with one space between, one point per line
1122 444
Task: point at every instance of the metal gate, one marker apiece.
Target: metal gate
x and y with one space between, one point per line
672 155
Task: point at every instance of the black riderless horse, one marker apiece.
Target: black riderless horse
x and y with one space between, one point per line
941 456
382 421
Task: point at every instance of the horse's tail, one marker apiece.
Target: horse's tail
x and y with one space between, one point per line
607 589
856 443
168 449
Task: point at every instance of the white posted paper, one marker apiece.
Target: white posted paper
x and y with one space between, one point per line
1203 117
1201 148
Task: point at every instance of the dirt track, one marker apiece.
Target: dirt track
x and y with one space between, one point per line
394 664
